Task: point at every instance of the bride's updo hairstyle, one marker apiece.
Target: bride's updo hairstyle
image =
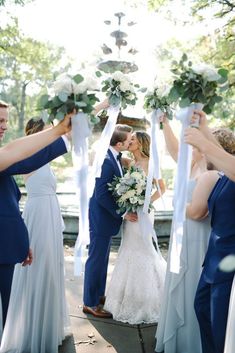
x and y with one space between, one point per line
144 141
34 125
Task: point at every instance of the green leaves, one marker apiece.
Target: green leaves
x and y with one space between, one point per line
119 90
63 96
197 84
154 100
43 100
78 78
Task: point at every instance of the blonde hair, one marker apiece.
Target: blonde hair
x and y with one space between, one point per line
226 139
144 141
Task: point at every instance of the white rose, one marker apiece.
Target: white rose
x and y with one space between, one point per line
79 88
63 83
136 175
163 91
129 194
118 76
207 71
92 84
141 201
133 200
139 189
125 86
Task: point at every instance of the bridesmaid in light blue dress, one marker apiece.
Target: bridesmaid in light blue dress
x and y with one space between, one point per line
178 329
37 320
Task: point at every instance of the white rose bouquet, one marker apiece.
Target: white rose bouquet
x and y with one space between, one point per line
129 190
120 90
158 98
197 84
69 92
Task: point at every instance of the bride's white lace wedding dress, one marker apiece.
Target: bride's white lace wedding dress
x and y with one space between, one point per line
135 292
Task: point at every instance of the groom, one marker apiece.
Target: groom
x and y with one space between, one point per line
104 222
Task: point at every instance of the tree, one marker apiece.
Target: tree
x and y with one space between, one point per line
17 2
26 66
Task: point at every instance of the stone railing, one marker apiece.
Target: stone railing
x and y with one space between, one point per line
70 214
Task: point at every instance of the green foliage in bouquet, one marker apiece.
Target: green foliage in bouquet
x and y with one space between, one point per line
120 90
197 84
70 93
155 100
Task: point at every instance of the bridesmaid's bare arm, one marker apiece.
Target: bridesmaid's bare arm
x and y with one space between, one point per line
198 209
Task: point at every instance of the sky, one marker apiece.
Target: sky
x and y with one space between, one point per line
78 25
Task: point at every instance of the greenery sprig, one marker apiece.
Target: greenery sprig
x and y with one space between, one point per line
120 90
158 99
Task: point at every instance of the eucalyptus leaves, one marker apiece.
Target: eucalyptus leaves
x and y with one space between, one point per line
120 90
70 92
197 84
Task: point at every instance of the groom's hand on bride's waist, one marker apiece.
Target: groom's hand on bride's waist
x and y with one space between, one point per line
132 217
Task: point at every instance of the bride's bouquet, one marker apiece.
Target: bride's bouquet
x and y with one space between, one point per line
197 84
129 190
69 92
120 90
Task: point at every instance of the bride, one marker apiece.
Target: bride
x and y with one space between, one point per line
136 288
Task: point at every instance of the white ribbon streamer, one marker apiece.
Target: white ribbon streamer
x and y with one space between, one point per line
102 145
180 189
80 133
153 167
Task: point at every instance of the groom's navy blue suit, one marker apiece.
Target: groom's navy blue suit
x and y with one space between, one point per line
14 242
104 223
212 296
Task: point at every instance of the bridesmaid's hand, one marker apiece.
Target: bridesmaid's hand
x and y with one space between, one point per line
65 125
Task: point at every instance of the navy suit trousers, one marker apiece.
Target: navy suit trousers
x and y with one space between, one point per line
6 275
96 269
211 307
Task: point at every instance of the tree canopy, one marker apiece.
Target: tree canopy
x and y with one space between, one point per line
26 67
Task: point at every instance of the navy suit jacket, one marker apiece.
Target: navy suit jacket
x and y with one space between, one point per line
103 217
14 242
222 240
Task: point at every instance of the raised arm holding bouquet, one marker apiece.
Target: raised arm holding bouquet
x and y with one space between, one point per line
120 92
189 238
194 87
158 103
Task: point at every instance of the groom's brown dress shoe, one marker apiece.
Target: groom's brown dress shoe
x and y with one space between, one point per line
97 311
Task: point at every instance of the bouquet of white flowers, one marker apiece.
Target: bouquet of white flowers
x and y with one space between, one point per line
158 98
120 90
197 84
129 190
69 92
